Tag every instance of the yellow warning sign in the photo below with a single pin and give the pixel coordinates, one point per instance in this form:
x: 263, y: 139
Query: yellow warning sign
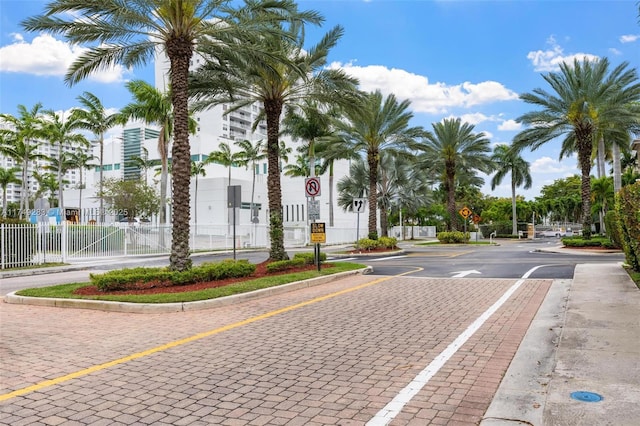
x: 318, y: 234
x: 465, y: 212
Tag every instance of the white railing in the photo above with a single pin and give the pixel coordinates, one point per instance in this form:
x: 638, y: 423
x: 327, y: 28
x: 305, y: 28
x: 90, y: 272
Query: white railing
x: 26, y: 244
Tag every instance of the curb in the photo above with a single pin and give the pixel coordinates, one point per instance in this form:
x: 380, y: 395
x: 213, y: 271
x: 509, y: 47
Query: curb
x: 148, y: 308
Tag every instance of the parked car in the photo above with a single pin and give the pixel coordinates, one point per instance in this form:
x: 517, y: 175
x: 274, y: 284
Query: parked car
x: 557, y: 233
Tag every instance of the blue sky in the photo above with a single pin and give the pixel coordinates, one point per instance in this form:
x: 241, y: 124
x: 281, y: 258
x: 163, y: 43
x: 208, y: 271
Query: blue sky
x: 468, y: 59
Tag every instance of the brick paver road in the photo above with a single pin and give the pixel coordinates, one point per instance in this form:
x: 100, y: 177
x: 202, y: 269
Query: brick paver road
x: 276, y: 361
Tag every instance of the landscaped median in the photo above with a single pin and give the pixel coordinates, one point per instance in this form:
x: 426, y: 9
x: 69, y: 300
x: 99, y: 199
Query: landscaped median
x: 248, y: 288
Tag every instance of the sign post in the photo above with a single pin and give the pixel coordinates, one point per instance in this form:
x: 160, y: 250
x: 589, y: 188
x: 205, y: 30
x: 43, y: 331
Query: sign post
x: 312, y: 190
x: 318, y: 235
x: 465, y: 212
x: 234, y: 201
x: 358, y: 207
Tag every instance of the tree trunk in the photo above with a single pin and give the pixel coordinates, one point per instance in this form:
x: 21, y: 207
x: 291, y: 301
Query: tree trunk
x: 101, y: 184
x: 180, y: 51
x: 372, y: 160
x: 273, y: 110
x: 514, y: 220
x: 617, y: 169
x: 601, y: 158
x: 63, y: 215
x: 584, y: 157
x: 163, y: 146
x: 451, y: 197
x: 331, y: 193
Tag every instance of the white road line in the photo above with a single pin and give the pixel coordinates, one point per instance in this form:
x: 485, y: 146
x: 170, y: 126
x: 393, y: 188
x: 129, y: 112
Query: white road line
x: 386, y: 258
x: 340, y: 259
x: 393, y: 408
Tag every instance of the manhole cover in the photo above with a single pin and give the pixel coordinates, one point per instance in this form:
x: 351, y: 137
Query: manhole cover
x: 586, y: 396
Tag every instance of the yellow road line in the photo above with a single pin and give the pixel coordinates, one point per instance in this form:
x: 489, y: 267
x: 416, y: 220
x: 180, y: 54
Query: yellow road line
x: 99, y: 367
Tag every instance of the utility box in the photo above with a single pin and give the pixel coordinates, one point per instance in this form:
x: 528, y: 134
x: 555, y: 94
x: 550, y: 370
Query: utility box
x: 531, y: 231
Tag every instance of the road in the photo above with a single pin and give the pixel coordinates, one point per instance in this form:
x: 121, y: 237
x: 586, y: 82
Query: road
x: 418, y: 348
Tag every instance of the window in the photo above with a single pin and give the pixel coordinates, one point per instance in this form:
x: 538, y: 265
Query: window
x: 264, y: 168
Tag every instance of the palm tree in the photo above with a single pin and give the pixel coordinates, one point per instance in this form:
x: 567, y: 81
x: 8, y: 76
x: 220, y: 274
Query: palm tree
x: 128, y: 33
x: 225, y: 158
x: 250, y: 154
x: 21, y: 144
x: 287, y: 77
x: 7, y: 176
x: 47, y: 182
x: 602, y: 196
x: 81, y: 160
x: 62, y: 133
x: 374, y: 125
x: 197, y: 169
x: 586, y: 99
x: 96, y: 119
x: 508, y: 161
x: 143, y: 163
x: 154, y: 108
x: 453, y: 152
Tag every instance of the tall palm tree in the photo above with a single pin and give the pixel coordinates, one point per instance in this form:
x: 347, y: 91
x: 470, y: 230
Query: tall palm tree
x: 508, y: 161
x: 287, y: 77
x: 62, y: 134
x: 373, y: 125
x: 250, y: 154
x: 94, y: 117
x: 7, y: 176
x: 154, y: 108
x: 144, y: 163
x: 451, y: 152
x: 197, y: 169
x: 21, y: 143
x: 587, y: 97
x: 47, y: 183
x: 128, y: 33
x: 81, y: 160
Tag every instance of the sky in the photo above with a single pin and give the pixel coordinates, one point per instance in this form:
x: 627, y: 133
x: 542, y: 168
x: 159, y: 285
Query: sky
x: 467, y: 59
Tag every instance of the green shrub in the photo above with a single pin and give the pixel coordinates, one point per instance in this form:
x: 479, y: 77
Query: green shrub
x: 612, y: 224
x: 592, y: 242
x: 309, y: 257
x: 283, y: 265
x: 367, y: 243
x: 453, y: 237
x: 131, y: 278
x: 628, y: 211
x: 373, y: 235
x: 387, y: 242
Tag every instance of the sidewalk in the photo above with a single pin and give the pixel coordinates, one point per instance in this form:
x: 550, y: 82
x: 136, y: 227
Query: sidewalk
x: 585, y: 337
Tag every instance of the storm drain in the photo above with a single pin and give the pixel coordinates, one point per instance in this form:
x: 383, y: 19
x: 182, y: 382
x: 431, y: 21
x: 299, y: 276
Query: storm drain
x: 586, y: 396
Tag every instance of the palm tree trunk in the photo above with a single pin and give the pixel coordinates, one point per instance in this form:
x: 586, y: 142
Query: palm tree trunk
x: 100, y: 186
x: 584, y: 157
x: 600, y: 158
x: 331, y: 193
x: 617, y: 169
x: 164, y: 177
x: 273, y: 110
x: 60, y: 195
x: 514, y: 217
x: 372, y: 160
x: 80, y: 215
x: 451, y: 198
x: 195, y: 208
x: 180, y: 52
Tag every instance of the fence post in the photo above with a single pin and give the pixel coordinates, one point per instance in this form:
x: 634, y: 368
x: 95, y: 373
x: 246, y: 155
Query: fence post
x: 63, y: 242
x: 2, y: 244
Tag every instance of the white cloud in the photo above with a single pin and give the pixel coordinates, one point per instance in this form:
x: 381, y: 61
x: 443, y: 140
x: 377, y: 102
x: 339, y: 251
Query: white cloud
x: 425, y: 96
x: 47, y: 56
x: 509, y: 125
x: 629, y: 38
x: 547, y: 165
x: 614, y: 51
x: 550, y: 60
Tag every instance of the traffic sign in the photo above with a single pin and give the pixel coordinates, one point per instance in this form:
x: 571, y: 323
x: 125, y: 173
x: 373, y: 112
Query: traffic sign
x: 476, y: 219
x: 313, y: 207
x: 358, y: 205
x: 318, y: 234
x: 312, y: 186
x: 465, y: 212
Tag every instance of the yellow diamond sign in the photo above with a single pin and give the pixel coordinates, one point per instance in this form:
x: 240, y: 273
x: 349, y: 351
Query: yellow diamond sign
x: 465, y: 212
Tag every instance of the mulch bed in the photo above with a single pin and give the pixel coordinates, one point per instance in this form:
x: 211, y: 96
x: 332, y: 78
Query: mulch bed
x: 160, y: 288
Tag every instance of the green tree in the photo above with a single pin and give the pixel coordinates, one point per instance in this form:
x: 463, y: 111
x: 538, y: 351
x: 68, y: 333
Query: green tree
x: 21, y: 143
x: 508, y: 161
x: 81, y: 160
x: 62, y: 133
x: 373, y: 125
x: 288, y: 75
x: 249, y: 155
x: 94, y: 117
x: 154, y: 107
x: 197, y: 169
x: 47, y: 183
x: 128, y: 33
x: 587, y: 98
x: 225, y: 157
x: 454, y: 153
x: 133, y: 198
x: 602, y: 196
x: 7, y: 176
x: 144, y: 163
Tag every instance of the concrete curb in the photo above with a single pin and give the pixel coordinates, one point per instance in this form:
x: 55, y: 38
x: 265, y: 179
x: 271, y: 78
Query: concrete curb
x: 152, y: 308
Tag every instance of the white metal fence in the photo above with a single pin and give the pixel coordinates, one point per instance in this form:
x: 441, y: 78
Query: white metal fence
x: 25, y: 245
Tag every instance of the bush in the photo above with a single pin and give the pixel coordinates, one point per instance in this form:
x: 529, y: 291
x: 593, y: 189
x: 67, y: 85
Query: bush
x: 628, y: 212
x: 612, y: 225
x: 367, y: 243
x: 283, y: 265
x: 592, y: 242
x: 310, y: 258
x: 373, y: 235
x: 453, y: 237
x: 132, y: 278
x: 387, y: 242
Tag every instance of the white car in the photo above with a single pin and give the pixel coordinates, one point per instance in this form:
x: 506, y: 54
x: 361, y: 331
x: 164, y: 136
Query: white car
x: 553, y: 233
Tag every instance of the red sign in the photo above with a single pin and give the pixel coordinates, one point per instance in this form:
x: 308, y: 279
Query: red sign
x: 312, y: 186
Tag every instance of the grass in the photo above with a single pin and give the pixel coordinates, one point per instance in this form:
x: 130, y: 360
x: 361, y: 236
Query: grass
x: 635, y: 276
x: 65, y: 291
